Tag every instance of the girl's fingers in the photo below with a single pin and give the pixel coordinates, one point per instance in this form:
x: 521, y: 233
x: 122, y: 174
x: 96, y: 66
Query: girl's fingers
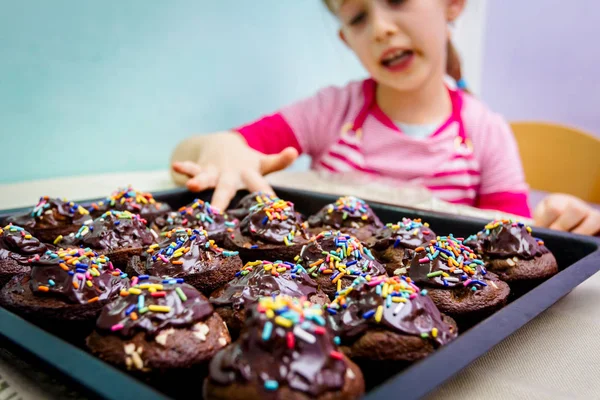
x: 225, y: 190
x: 255, y: 182
x: 277, y: 162
x: 546, y: 212
x: 204, y: 180
x: 572, y: 216
x: 590, y: 225
x: 188, y: 168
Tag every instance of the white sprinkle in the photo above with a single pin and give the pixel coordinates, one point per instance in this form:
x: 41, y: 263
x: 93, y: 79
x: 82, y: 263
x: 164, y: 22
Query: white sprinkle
x: 201, y: 330
x: 493, y: 284
x: 350, y: 373
x: 222, y: 341
x: 128, y: 362
x: 302, y: 334
x: 161, y: 338
x: 510, y: 262
x: 452, y: 279
x: 137, y: 361
x: 398, y: 308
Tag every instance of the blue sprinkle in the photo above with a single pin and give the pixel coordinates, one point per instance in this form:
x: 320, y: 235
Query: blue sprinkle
x: 179, y: 280
x: 117, y: 222
x: 332, y: 311
x: 254, y: 246
x: 81, y: 265
x: 271, y: 385
x: 143, y: 277
x: 71, y: 273
x: 369, y: 314
x: 267, y: 330
x: 294, y: 276
x: 424, y: 292
x: 51, y: 282
x: 237, y: 274
x: 397, y: 243
x: 130, y: 309
x: 337, y: 340
x: 351, y: 263
x: 193, y: 237
x: 123, y: 275
x: 264, y: 220
x: 81, y: 270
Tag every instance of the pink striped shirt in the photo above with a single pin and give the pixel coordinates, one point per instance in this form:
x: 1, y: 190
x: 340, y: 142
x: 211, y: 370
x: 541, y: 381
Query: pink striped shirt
x: 472, y: 158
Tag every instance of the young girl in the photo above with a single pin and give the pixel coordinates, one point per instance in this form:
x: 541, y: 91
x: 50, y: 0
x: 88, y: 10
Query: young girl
x: 402, y: 124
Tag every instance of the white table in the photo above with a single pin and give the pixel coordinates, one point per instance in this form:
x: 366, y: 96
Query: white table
x: 556, y: 356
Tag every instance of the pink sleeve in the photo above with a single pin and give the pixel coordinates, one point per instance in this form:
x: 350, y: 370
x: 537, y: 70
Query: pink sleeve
x: 503, y: 186
x: 309, y: 125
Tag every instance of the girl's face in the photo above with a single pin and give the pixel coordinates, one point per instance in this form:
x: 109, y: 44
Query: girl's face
x: 401, y: 43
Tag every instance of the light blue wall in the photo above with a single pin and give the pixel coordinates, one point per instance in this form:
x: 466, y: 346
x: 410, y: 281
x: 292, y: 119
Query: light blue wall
x: 105, y: 86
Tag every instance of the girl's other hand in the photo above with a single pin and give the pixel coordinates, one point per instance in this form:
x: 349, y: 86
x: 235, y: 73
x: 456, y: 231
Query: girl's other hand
x: 227, y: 164
x: 564, y: 212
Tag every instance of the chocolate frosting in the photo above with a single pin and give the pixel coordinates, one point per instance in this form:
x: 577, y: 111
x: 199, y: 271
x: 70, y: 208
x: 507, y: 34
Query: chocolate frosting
x: 407, y: 233
x: 447, y: 263
x: 265, y: 278
x: 250, y: 201
x: 52, y: 213
x: 508, y: 238
x: 19, y: 245
x: 179, y: 306
x: 275, y: 223
x: 286, y: 343
x: 113, y: 230
x: 184, y: 252
x: 198, y: 214
x: 390, y: 303
x: 333, y: 253
x: 346, y: 212
x: 129, y: 199
x: 77, y: 276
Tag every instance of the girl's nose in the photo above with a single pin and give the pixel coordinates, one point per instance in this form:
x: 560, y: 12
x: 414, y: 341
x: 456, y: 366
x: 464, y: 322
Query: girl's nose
x: 383, y: 26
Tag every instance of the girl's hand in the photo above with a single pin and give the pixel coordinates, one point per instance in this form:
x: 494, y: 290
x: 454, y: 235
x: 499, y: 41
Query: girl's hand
x: 226, y: 163
x: 564, y: 212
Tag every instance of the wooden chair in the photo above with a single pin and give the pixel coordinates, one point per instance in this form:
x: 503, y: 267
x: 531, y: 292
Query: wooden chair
x: 561, y: 159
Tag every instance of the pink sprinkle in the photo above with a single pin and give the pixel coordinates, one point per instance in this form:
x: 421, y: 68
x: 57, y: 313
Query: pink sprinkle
x: 134, y: 281
x: 163, y: 258
x: 412, y: 296
x: 336, y: 355
x: 80, y: 277
x: 117, y: 327
x: 375, y: 282
x: 110, y: 266
x: 467, y: 282
x: 424, y: 260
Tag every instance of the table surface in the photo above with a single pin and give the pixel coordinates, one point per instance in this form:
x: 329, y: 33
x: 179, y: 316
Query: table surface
x: 555, y: 356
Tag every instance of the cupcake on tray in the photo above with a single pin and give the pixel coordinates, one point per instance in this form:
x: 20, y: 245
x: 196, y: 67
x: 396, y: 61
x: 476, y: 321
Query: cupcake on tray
x: 117, y: 234
x: 394, y: 245
x: 384, y: 323
x: 17, y: 248
x: 349, y: 215
x: 272, y: 231
x: 191, y: 255
x: 258, y: 279
x: 51, y: 218
x: 65, y: 291
x: 197, y: 215
x: 286, y: 351
x: 159, y: 330
x: 457, y: 281
x: 512, y: 253
x: 129, y: 199
x: 251, y: 201
x: 335, y: 259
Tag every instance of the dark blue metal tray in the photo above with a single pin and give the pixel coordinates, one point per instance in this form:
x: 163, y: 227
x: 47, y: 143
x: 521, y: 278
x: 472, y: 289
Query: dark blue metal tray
x: 578, y: 258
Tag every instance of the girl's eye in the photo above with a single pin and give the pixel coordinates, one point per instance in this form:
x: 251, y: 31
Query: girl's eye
x: 396, y: 2
x: 359, y: 18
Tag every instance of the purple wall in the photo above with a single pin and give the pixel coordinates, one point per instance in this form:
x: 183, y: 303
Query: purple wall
x: 542, y: 61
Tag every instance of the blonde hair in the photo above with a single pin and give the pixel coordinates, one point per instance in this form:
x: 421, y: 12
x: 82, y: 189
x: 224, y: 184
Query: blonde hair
x: 453, y: 65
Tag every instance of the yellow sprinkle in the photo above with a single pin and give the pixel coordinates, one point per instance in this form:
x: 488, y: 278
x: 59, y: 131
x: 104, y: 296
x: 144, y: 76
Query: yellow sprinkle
x: 378, y: 314
x: 156, y: 286
x: 368, y: 278
x: 27, y: 236
x: 384, y: 291
x: 268, y: 267
x: 282, y: 269
x: 58, y: 239
x: 155, y: 308
x: 286, y: 323
x: 135, y: 291
x: 152, y: 290
x: 434, y: 332
x: 270, y: 314
x: 339, y: 286
x: 398, y: 300
x: 89, y: 283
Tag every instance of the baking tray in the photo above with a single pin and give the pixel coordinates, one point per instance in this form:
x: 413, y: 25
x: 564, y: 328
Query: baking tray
x: 578, y: 258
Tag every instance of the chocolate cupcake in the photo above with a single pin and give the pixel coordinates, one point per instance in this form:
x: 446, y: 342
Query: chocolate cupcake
x: 349, y: 215
x: 250, y: 202
x: 512, y: 253
x: 273, y: 231
x: 286, y: 351
x: 116, y: 234
x: 394, y: 245
x: 197, y: 215
x: 129, y: 199
x: 386, y: 323
x: 335, y: 259
x: 65, y: 291
x: 159, y: 329
x: 457, y: 281
x: 191, y: 255
x: 17, y: 249
x: 258, y: 279
x: 51, y: 218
